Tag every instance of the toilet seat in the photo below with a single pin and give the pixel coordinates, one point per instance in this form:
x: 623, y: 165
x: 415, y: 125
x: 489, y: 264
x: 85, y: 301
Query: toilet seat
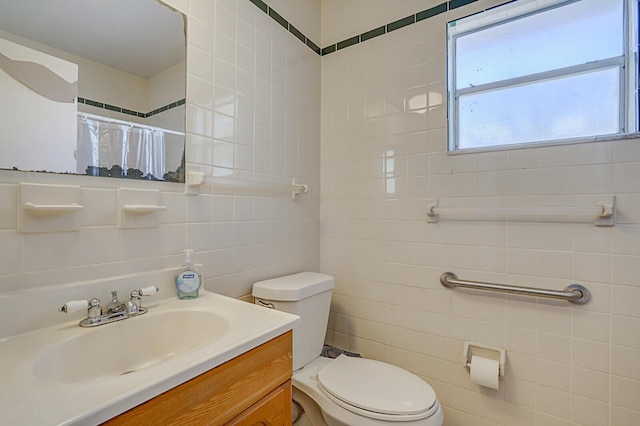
x: 376, y: 390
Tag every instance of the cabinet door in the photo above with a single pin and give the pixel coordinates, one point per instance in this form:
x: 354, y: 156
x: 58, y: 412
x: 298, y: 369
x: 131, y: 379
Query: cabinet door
x: 222, y: 394
x: 272, y: 410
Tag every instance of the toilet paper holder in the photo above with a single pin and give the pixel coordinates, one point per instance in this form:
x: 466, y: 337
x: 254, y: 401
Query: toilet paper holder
x: 491, y: 352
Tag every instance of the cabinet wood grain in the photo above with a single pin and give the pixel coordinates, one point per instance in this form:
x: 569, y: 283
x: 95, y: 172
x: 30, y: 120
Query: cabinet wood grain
x: 224, y: 393
x: 272, y: 410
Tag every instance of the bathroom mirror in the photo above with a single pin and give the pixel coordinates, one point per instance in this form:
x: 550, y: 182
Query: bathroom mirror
x: 93, y: 87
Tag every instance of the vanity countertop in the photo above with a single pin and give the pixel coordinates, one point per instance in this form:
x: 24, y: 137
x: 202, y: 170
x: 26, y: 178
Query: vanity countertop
x: 28, y: 399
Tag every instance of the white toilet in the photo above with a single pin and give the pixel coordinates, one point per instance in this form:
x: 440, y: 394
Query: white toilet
x: 345, y: 391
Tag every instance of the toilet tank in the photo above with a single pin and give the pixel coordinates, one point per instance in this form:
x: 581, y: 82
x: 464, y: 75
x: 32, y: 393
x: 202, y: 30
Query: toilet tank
x: 308, y: 295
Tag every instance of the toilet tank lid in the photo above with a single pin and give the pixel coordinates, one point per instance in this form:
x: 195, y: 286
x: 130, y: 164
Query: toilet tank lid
x: 293, y: 287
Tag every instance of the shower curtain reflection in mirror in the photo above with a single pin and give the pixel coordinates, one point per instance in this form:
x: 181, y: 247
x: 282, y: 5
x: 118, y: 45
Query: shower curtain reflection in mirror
x: 125, y: 150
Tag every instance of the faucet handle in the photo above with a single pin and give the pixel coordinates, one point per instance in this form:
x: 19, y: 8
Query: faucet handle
x: 93, y: 307
x: 73, y: 306
x: 95, y: 310
x: 134, y: 304
x: 148, y: 291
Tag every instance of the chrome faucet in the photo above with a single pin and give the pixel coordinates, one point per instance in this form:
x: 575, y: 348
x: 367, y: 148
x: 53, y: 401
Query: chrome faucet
x: 115, y: 305
x: 115, y: 311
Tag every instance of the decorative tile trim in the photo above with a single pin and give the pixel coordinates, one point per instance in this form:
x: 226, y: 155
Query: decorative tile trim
x: 384, y: 29
x: 400, y: 23
x: 313, y: 46
x: 293, y: 30
x: 348, y: 42
x: 128, y: 111
x: 279, y: 19
x: 286, y: 25
x: 328, y: 49
x: 454, y: 4
x: 261, y: 5
x: 373, y: 33
x: 441, y: 8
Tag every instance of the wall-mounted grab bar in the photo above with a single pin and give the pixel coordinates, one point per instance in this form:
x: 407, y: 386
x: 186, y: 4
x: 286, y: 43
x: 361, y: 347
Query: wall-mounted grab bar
x: 574, y: 293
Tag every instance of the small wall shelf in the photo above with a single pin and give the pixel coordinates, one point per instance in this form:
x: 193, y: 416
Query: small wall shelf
x: 143, y: 208
x: 52, y: 209
x: 49, y: 208
x: 139, y: 208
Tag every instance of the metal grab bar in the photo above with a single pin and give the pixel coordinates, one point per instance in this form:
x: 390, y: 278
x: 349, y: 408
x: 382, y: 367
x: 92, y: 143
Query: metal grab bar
x: 574, y: 293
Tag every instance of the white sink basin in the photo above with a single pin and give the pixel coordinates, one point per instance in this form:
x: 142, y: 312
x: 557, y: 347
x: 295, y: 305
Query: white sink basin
x: 128, y: 346
x: 69, y: 375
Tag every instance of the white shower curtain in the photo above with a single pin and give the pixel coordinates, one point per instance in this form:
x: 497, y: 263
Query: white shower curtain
x: 119, y: 150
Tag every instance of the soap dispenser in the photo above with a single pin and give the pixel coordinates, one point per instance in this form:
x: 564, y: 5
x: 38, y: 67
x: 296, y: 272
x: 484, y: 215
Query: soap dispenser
x: 189, y: 279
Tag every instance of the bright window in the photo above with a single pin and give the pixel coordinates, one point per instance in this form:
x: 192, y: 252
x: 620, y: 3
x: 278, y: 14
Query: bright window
x: 542, y: 71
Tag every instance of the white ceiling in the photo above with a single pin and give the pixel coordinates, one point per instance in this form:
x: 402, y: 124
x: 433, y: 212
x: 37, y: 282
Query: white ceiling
x: 142, y: 37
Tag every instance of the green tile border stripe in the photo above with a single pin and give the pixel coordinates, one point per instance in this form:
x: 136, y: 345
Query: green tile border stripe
x: 261, y: 5
x: 384, y: 29
x: 395, y: 25
x: 286, y: 25
x: 348, y: 42
x: 279, y: 19
x: 293, y: 30
x: 128, y: 111
x: 400, y: 23
x: 373, y: 33
x: 328, y: 49
x: 454, y: 4
x: 313, y: 47
x: 441, y: 8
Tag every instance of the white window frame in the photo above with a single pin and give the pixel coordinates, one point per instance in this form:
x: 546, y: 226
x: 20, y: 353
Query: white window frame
x: 627, y: 65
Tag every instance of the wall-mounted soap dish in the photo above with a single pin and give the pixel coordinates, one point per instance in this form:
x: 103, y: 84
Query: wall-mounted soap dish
x: 139, y: 208
x: 49, y: 208
x: 143, y: 208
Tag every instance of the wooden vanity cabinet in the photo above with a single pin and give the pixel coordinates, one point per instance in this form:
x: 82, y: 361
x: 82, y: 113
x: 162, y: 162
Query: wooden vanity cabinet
x: 251, y: 389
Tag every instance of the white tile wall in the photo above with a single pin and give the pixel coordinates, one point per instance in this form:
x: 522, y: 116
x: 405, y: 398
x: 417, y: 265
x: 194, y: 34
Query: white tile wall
x: 566, y: 365
x: 234, y: 124
x: 254, y: 103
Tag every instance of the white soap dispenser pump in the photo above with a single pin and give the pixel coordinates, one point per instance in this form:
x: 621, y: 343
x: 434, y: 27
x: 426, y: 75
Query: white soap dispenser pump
x: 189, y: 279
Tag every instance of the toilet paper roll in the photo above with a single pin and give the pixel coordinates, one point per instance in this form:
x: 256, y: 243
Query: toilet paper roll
x: 485, y: 372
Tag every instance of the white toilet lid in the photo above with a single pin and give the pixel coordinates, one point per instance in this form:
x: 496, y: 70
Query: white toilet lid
x: 376, y: 386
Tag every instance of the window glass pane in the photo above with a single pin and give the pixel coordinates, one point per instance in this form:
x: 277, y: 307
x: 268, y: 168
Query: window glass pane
x: 576, y: 33
x: 573, y: 106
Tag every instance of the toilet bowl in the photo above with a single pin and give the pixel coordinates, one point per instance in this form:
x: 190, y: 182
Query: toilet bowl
x: 345, y: 391
x: 355, y: 391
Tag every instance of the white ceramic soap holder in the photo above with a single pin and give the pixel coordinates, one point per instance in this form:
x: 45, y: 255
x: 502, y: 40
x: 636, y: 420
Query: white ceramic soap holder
x: 49, y: 208
x: 138, y: 208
